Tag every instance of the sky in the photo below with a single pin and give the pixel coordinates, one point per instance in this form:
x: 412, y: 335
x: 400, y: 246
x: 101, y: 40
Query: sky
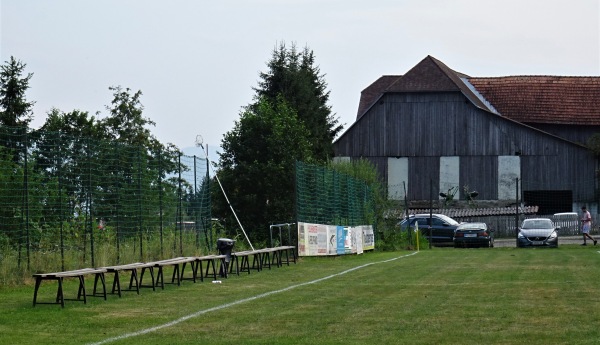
x: 196, y: 62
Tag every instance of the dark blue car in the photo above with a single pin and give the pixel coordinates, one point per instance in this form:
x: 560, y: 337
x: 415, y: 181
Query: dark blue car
x: 473, y: 235
x: 442, y: 226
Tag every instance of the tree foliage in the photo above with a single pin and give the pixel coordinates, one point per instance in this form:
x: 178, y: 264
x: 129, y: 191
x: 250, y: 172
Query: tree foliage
x: 15, y: 110
x: 257, y: 165
x: 293, y: 75
x: 289, y: 120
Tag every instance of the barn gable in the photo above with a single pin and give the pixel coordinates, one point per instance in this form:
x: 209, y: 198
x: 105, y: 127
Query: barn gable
x: 433, y: 125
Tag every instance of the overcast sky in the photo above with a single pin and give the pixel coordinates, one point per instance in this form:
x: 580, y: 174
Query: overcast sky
x: 196, y: 62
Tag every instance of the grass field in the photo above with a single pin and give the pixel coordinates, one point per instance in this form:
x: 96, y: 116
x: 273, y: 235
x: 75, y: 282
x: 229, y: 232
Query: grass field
x: 439, y: 296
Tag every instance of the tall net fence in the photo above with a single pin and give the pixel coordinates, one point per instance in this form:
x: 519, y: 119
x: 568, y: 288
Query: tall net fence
x: 71, y: 201
x: 325, y: 196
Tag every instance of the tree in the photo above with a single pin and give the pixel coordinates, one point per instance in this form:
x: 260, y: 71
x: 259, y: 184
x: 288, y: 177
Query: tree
x: 257, y: 165
x: 294, y: 76
x: 15, y: 110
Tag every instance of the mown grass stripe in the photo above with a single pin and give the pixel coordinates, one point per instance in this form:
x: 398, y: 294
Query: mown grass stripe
x: 227, y: 305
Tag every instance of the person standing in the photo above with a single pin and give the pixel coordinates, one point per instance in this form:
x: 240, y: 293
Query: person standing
x: 586, y: 226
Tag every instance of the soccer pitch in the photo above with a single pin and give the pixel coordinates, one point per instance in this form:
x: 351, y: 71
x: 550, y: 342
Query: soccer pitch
x: 439, y: 296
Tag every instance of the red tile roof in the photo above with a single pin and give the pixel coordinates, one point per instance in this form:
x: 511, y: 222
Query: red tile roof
x: 526, y: 99
x: 429, y: 75
x: 371, y: 93
x: 543, y: 99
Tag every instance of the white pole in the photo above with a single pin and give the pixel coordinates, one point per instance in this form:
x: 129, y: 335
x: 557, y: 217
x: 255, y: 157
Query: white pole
x: 223, y: 190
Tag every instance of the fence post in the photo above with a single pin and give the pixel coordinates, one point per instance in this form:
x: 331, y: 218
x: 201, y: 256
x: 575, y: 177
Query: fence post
x: 160, y: 200
x: 195, y: 207
x: 61, y: 211
x: 90, y: 200
x: 140, y: 203
x: 180, y: 215
x: 26, y: 181
x: 517, y: 212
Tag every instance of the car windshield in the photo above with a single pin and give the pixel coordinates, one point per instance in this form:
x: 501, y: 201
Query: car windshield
x: 537, y: 224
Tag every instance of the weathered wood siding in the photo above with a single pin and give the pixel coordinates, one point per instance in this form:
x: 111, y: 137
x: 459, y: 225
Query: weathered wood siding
x: 426, y: 126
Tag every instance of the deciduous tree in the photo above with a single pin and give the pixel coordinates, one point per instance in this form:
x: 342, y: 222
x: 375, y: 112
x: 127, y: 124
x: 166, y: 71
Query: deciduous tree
x: 257, y: 165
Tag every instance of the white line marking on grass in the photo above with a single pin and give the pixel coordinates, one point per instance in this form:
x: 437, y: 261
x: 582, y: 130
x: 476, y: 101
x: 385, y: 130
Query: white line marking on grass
x: 223, y: 306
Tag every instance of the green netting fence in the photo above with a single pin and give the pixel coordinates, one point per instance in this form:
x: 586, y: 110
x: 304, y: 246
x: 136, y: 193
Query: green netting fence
x: 325, y: 196
x: 69, y: 202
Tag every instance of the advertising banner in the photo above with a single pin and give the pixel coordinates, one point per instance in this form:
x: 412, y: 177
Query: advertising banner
x: 319, y: 239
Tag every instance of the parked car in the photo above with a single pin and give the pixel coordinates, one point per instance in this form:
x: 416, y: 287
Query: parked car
x: 538, y: 232
x: 568, y: 221
x: 442, y: 227
x: 473, y: 235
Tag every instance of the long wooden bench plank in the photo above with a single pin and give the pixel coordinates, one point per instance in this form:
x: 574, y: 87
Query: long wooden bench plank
x: 175, y: 262
x: 214, y: 262
x: 132, y: 268
x: 59, y: 277
x: 244, y: 266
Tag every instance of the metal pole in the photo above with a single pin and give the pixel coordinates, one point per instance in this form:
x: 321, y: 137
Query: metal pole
x: 60, y: 202
x: 140, y: 203
x: 517, y: 212
x: 229, y: 203
x: 160, y: 201
x: 196, y: 208
x: 430, y: 209
x: 180, y: 210
x: 90, y: 219
x: 26, y: 176
x: 118, y: 204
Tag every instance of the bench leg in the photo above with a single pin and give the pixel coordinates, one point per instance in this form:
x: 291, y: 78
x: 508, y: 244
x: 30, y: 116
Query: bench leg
x: 176, y: 274
x: 100, y: 276
x: 199, y: 269
x: 160, y: 277
x: 38, y: 281
x: 194, y: 270
x: 151, y: 269
x: 245, y: 263
x: 60, y: 298
x: 102, y: 280
x: 116, y: 284
x: 81, y: 289
x: 134, y: 278
x: 212, y: 263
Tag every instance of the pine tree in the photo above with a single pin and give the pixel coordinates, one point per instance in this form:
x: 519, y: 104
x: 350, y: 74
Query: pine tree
x: 294, y: 76
x: 15, y: 110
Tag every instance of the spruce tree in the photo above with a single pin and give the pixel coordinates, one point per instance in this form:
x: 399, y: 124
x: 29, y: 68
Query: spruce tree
x: 294, y: 76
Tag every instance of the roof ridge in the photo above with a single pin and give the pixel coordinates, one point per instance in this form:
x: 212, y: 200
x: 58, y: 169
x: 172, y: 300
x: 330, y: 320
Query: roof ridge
x: 537, y: 76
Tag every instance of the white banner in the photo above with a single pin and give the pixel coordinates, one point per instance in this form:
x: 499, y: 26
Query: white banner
x: 319, y: 239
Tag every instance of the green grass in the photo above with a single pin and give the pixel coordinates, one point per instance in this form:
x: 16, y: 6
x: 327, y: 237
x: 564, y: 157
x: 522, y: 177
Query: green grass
x: 439, y: 296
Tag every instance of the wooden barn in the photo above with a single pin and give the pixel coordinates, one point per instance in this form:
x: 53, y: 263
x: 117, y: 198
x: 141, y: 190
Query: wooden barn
x: 437, y: 127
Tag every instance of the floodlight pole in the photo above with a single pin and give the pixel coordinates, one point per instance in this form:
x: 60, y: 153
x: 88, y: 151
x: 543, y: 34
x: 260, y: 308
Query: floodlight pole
x: 199, y: 143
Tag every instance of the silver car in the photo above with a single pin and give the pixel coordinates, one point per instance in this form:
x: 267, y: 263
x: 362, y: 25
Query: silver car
x: 538, y: 232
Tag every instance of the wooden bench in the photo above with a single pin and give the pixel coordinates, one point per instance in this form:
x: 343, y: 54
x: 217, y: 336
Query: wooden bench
x: 59, y: 277
x: 269, y: 257
x: 177, y: 272
x: 287, y: 250
x: 134, y: 284
x: 244, y: 266
x: 214, y: 262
